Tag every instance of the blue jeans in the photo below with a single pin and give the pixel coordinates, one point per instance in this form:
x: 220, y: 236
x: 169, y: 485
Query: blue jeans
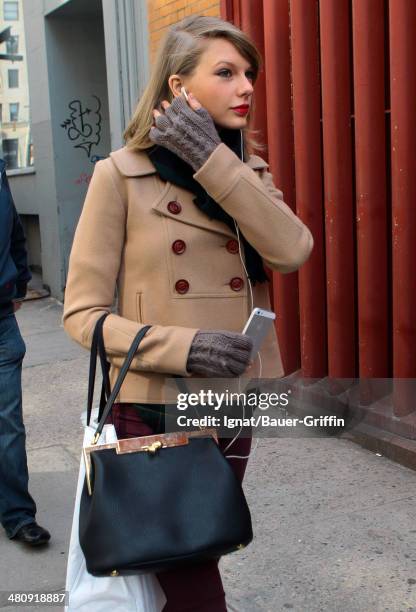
x: 17, y: 507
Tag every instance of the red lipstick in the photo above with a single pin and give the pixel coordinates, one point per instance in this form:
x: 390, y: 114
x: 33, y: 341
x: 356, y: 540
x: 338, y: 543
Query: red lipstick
x: 241, y: 110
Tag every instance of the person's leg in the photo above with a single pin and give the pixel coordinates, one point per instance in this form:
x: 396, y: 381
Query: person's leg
x: 17, y: 508
x: 199, y: 588
x: 195, y: 588
x: 241, y: 447
x: 128, y: 422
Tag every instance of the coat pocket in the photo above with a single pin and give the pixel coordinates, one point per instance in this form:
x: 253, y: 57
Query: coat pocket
x: 139, y: 307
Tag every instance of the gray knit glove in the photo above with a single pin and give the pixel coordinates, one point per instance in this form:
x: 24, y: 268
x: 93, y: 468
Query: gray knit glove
x: 219, y: 354
x: 190, y: 134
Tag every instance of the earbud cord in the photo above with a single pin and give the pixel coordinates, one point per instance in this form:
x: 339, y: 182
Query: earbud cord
x: 259, y: 356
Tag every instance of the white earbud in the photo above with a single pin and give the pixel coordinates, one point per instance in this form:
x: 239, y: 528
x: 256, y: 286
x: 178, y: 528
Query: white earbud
x: 183, y: 90
x: 241, y: 142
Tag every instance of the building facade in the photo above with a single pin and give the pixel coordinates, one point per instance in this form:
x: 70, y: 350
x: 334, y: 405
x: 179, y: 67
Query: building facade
x: 66, y: 103
x: 15, y: 137
x: 83, y: 67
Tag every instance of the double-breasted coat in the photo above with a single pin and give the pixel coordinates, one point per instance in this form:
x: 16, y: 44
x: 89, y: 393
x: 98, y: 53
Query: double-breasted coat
x: 171, y: 265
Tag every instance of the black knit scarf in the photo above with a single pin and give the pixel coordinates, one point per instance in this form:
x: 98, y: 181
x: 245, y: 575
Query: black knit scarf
x: 172, y: 168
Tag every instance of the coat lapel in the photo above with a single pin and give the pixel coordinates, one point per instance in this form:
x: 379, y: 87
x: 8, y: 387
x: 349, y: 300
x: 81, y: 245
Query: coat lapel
x: 189, y: 213
x: 137, y: 164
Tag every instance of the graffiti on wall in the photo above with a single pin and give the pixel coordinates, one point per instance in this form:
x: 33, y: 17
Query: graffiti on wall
x: 84, y: 178
x: 83, y: 125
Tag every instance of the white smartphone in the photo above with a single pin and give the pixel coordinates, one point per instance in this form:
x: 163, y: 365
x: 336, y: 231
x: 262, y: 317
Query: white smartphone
x: 183, y: 90
x: 257, y: 327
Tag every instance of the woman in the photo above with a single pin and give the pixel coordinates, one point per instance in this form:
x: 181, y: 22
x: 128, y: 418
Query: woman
x: 180, y: 221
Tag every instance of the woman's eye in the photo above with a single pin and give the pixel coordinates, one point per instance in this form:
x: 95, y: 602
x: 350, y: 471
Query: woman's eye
x: 223, y: 72
x: 227, y: 71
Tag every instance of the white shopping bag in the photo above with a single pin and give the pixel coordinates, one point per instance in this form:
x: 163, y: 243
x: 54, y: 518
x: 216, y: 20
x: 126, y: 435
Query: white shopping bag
x: 140, y: 593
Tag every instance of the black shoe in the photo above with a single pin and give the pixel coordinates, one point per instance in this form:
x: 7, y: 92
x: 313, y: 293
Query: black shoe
x: 32, y: 534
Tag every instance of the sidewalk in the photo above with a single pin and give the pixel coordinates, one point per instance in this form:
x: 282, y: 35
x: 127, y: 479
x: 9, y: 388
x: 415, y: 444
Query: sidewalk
x: 334, y: 524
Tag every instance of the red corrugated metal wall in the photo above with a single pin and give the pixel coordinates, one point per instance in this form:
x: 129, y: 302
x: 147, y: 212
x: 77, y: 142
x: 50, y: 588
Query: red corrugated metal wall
x: 336, y: 106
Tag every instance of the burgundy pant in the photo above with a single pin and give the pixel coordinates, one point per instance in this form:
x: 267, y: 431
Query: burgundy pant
x: 196, y: 588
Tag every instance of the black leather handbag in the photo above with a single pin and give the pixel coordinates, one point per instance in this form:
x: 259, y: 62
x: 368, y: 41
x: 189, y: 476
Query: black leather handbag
x: 155, y: 502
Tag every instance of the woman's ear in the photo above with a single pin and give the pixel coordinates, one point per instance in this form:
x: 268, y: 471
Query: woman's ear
x: 175, y: 84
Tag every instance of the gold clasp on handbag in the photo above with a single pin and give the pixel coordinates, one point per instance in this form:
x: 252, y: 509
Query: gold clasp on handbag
x: 133, y: 445
x: 152, y: 448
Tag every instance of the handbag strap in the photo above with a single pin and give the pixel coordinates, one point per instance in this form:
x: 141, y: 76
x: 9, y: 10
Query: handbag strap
x: 105, y: 368
x: 120, y: 379
x: 97, y: 345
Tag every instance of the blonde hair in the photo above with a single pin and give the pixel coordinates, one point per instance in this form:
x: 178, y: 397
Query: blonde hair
x: 179, y: 53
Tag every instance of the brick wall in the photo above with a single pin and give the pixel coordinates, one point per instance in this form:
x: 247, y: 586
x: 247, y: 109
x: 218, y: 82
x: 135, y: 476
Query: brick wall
x: 163, y: 13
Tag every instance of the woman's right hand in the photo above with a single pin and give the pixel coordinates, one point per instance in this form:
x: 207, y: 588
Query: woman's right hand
x: 219, y: 354
x: 187, y: 129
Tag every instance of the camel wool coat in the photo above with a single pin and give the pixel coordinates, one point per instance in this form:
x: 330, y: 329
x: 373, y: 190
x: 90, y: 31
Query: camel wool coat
x: 172, y: 266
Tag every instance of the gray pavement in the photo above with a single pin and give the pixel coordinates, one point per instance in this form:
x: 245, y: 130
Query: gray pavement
x: 334, y: 524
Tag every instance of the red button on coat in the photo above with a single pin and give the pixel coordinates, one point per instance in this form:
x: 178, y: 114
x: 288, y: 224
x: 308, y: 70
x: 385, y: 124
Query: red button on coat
x: 174, y: 207
x: 236, y: 283
x: 178, y: 247
x: 232, y: 246
x: 182, y: 286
